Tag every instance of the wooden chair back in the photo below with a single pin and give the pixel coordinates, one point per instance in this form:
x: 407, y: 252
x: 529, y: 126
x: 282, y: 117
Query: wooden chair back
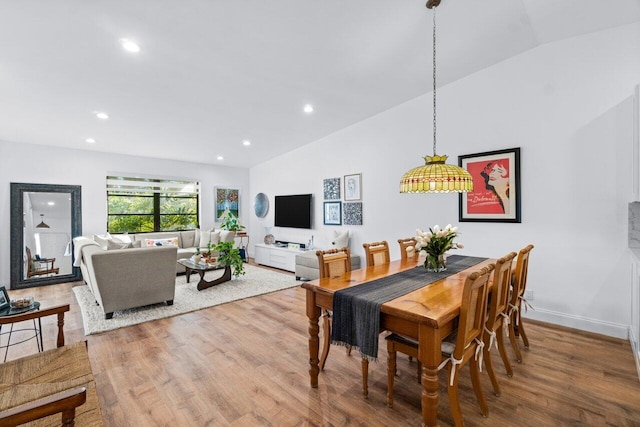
x: 377, y: 253
x: 404, y: 244
x: 520, y: 281
x: 30, y: 271
x: 473, y: 310
x: 500, y: 290
x: 334, y: 262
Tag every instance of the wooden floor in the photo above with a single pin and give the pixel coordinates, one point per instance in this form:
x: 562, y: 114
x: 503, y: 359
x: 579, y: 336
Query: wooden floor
x: 245, y: 363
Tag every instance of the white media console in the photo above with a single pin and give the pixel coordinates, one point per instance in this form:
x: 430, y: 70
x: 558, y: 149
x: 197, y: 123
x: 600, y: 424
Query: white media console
x: 283, y: 258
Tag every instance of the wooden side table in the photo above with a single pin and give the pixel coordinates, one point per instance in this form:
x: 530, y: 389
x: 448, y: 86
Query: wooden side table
x: 6, y: 313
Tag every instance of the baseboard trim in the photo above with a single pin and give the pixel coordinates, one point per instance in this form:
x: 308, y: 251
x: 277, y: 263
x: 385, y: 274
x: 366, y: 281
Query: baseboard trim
x: 579, y: 322
x: 635, y: 347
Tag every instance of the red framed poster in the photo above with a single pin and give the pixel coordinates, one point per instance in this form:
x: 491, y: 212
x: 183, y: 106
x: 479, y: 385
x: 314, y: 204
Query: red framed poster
x: 496, y: 187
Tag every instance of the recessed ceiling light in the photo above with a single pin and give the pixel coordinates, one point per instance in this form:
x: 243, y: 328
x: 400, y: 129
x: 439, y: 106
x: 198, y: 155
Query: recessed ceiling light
x: 101, y: 115
x: 90, y: 140
x: 130, y: 46
x: 246, y: 143
x: 51, y: 203
x: 308, y: 109
x: 220, y: 158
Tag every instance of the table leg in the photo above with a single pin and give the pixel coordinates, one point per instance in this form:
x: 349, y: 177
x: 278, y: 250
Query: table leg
x: 203, y: 284
x: 187, y: 272
x: 430, y: 356
x: 40, y: 333
x: 313, y: 313
x: 6, y: 350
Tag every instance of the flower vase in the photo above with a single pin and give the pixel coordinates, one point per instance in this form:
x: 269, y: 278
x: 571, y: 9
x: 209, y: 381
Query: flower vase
x: 436, y: 262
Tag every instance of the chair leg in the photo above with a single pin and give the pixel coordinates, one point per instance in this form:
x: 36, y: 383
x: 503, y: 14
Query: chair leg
x: 488, y: 363
x: 327, y: 339
x: 503, y: 350
x: 454, y: 401
x: 474, y: 365
x: 391, y: 372
x: 419, y: 371
x: 525, y: 340
x: 514, y: 341
x: 365, y: 376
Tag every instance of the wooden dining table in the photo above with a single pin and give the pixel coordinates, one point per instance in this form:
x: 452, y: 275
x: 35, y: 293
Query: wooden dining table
x: 428, y: 315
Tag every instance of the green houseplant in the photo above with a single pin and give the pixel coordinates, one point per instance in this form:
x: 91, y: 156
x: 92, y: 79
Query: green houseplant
x: 230, y: 256
x: 230, y: 222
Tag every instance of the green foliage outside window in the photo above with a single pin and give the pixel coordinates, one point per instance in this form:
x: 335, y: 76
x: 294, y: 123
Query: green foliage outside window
x: 145, y: 211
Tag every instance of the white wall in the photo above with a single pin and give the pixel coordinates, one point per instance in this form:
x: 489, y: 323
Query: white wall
x: 51, y: 165
x: 568, y: 105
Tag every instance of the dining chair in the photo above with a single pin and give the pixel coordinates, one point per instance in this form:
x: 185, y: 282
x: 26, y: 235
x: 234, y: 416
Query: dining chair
x: 404, y: 244
x: 331, y: 262
x: 40, y: 267
x: 516, y: 328
x: 498, y: 318
x: 376, y: 253
x: 461, y: 347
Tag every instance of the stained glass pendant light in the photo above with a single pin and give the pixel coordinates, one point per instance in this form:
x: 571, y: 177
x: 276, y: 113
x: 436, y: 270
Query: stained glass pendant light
x: 436, y: 176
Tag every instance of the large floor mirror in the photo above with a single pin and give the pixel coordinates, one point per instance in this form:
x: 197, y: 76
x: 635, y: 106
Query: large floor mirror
x: 44, y: 220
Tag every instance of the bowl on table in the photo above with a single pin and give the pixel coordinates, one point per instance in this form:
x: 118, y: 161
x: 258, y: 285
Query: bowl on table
x: 21, y: 302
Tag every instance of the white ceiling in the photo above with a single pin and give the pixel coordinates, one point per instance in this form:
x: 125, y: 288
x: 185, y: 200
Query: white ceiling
x: 212, y: 73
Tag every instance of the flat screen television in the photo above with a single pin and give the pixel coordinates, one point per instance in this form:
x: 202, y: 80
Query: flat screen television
x: 293, y: 211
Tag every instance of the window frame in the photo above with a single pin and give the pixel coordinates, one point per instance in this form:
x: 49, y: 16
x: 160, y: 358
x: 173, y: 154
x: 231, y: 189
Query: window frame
x: 157, y: 189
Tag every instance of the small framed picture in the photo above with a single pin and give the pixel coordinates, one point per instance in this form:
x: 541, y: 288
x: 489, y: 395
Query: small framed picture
x: 496, y: 187
x: 332, y: 213
x: 353, y: 187
x: 331, y: 188
x: 4, y: 298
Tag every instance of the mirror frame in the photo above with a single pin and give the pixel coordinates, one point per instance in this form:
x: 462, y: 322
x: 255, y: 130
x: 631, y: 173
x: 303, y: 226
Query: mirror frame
x: 17, y: 229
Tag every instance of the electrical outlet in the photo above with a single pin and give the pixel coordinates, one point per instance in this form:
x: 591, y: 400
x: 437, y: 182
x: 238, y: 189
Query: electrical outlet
x: 528, y: 295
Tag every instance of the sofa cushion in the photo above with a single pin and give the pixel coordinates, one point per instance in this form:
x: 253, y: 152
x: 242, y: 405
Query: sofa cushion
x: 102, y: 239
x: 205, y: 238
x: 307, y: 259
x: 226, y: 235
x: 113, y: 244
x: 121, y: 238
x: 158, y: 235
x: 215, y: 237
x: 340, y: 239
x: 188, y: 238
x: 173, y: 241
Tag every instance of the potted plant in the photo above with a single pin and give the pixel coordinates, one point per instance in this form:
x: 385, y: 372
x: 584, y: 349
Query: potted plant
x: 230, y: 222
x: 230, y: 256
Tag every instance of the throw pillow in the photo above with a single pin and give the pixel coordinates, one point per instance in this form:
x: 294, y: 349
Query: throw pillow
x: 121, y: 238
x: 161, y: 242
x: 215, y: 237
x: 340, y: 239
x: 112, y: 244
x: 205, y: 238
x: 136, y: 244
x: 226, y: 235
x: 102, y: 239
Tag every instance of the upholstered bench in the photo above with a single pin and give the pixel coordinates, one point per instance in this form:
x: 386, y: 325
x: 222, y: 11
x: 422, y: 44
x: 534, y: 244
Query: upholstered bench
x: 307, y: 265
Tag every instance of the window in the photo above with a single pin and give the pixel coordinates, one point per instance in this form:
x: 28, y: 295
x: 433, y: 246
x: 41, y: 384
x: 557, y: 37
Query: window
x: 138, y: 205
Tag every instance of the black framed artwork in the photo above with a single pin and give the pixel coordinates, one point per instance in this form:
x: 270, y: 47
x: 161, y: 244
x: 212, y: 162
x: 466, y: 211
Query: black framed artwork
x: 496, y: 187
x: 332, y: 213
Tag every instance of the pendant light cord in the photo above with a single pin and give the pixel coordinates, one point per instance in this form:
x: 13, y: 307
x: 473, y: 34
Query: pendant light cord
x: 434, y: 80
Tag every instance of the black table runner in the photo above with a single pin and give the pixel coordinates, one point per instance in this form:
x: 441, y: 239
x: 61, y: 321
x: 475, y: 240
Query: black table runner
x: 356, y: 310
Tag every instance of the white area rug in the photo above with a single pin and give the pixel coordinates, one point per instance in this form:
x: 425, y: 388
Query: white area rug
x: 256, y: 281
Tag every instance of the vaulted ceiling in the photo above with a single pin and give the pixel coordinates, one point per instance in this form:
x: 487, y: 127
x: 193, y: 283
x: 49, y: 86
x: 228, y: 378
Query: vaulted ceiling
x: 211, y: 74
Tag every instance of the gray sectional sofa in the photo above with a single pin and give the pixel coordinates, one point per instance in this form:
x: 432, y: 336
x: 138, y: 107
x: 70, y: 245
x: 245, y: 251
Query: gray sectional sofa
x: 136, y: 270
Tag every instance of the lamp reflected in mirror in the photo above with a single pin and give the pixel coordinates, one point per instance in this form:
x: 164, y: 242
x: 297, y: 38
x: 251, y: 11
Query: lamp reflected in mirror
x: 42, y: 224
